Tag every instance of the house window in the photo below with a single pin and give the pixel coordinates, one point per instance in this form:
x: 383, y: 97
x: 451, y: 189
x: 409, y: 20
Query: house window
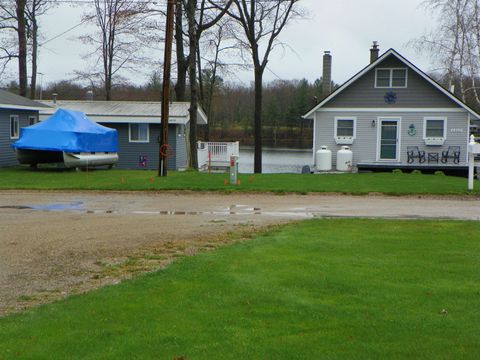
x: 32, y: 120
x: 391, y: 78
x: 14, y: 127
x: 345, y: 130
x: 139, y: 133
x: 434, y: 130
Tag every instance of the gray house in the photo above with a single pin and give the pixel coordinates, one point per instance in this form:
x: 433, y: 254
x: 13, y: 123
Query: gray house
x: 15, y: 112
x: 392, y: 115
x: 138, y: 126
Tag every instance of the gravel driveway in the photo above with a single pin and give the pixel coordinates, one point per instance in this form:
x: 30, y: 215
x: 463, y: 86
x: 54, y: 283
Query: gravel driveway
x: 53, y: 244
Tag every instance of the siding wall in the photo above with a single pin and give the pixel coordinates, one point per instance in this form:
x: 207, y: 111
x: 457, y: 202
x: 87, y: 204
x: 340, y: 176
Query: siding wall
x: 129, y: 153
x: 7, y: 154
x: 419, y: 93
x: 181, y: 146
x: 364, y: 147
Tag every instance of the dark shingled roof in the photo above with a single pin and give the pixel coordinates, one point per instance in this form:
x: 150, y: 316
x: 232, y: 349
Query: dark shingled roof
x: 9, y: 100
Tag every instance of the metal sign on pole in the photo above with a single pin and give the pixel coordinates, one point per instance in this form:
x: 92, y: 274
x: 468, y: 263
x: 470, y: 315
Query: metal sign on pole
x: 167, y: 64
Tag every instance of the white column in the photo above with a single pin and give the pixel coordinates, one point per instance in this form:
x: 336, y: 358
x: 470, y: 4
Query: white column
x: 471, y: 163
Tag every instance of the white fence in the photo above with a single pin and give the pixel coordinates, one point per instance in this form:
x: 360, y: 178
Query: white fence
x: 216, y: 154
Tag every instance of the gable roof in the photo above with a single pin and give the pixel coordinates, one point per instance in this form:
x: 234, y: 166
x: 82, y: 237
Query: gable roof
x: 126, y: 111
x: 407, y: 63
x: 9, y: 100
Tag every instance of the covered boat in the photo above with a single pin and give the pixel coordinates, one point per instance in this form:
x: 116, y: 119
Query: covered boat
x: 67, y: 137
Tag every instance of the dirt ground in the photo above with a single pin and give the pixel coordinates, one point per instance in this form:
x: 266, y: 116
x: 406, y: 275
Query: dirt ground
x: 53, y: 244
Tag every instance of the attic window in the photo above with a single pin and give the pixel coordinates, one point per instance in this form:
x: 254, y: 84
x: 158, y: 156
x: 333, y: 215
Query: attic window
x: 390, y: 78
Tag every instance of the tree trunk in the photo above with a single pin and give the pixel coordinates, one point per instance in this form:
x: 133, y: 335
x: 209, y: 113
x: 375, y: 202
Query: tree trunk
x: 108, y: 90
x: 182, y: 62
x: 33, y: 83
x: 22, y: 47
x: 257, y: 162
x: 192, y: 71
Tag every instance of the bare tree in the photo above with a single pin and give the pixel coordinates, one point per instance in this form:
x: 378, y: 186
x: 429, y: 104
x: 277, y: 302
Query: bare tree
x: 13, y: 23
x: 216, y: 45
x: 34, y: 9
x: 455, y: 44
x: 262, y: 22
x: 116, y: 44
x: 20, y: 30
x: 182, y: 59
x: 201, y: 16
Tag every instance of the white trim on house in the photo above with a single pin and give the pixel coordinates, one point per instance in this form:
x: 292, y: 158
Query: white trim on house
x: 15, y: 126
x: 395, y: 110
x: 434, y: 140
x: 409, y: 65
x: 22, y: 107
x: 134, y: 119
x: 138, y: 141
x: 391, y: 78
x: 345, y: 140
x: 398, y: 119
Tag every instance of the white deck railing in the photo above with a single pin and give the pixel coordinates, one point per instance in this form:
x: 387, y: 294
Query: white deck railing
x: 216, y: 154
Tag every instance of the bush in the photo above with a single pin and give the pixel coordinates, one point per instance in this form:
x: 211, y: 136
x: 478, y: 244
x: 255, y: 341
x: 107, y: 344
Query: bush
x: 439, y: 173
x: 416, y: 172
x: 397, y: 171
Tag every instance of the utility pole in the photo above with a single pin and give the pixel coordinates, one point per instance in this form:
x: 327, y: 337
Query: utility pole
x: 164, y: 150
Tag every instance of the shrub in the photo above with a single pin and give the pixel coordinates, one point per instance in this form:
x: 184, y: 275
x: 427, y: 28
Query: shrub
x: 416, y: 172
x: 439, y: 173
x: 397, y: 171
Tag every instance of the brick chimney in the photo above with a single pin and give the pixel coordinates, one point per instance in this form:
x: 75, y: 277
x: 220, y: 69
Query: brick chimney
x: 374, y: 52
x: 327, y: 74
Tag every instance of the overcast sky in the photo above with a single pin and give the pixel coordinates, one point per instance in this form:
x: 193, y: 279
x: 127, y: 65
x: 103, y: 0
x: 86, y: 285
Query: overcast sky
x: 345, y: 27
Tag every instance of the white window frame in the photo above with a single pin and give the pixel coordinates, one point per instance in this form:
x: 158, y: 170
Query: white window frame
x: 391, y: 79
x: 34, y: 118
x: 138, y: 141
x: 345, y: 140
x: 14, y: 119
x: 434, y: 141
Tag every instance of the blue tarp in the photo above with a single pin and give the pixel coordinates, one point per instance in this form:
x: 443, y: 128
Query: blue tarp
x: 68, y: 131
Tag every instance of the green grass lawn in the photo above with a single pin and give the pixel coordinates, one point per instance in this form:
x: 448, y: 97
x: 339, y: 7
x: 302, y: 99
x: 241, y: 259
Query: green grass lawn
x: 388, y: 183
x: 321, y: 289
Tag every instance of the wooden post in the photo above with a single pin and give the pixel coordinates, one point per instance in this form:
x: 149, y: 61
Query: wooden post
x: 167, y: 64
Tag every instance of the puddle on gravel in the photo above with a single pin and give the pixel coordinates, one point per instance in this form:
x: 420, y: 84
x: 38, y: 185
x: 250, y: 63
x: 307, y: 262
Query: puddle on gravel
x: 73, y: 206
x: 17, y: 207
x: 78, y: 206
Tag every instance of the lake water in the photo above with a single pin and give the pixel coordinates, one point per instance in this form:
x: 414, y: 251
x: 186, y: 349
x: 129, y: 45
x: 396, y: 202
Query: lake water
x: 276, y: 160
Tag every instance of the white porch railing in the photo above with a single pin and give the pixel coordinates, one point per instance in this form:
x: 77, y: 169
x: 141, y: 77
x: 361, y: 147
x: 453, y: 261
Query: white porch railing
x: 216, y: 154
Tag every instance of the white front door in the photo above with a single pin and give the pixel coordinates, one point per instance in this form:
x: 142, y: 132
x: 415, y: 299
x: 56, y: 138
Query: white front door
x: 388, y: 144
